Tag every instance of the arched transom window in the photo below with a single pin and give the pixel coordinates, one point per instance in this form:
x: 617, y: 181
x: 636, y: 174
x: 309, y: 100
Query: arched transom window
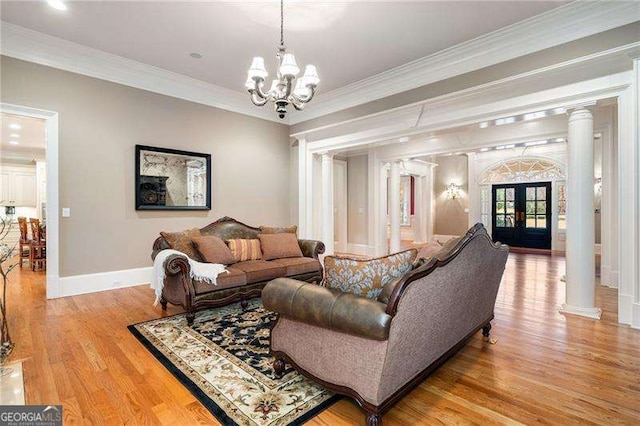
x: 522, y: 170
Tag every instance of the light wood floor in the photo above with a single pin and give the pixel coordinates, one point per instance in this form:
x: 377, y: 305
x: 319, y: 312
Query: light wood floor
x: 545, y: 368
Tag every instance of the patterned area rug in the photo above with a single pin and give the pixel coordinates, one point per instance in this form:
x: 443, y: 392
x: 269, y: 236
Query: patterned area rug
x: 224, y: 361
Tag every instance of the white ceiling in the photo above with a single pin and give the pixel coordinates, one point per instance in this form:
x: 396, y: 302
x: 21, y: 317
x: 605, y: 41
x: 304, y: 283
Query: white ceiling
x: 31, y: 136
x: 348, y: 41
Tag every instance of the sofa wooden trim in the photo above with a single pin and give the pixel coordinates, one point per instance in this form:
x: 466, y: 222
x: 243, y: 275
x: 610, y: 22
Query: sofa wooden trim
x: 437, y: 262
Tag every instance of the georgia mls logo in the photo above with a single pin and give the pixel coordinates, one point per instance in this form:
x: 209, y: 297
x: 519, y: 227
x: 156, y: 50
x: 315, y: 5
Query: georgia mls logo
x: 32, y: 415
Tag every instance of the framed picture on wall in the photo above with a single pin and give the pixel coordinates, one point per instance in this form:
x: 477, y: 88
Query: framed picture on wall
x: 170, y: 179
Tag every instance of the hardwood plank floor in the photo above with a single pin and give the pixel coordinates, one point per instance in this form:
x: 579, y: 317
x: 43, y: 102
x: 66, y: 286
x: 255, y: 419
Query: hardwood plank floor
x: 545, y: 368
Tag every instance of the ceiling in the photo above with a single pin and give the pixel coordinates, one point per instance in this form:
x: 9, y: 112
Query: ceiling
x: 347, y: 41
x: 31, y: 137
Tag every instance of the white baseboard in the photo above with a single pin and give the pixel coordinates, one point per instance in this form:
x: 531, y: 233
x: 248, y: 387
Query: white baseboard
x: 361, y: 249
x: 53, y: 286
x: 625, y: 307
x: 635, y: 316
x: 91, y: 283
x: 614, y: 280
x: 593, y: 313
x: 608, y: 277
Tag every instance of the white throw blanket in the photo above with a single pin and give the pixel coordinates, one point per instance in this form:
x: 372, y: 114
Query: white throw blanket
x: 207, y: 272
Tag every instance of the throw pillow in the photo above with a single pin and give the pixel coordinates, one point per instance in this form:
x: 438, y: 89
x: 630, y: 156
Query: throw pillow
x: 181, y: 241
x: 278, y: 246
x: 245, y: 249
x: 366, y: 277
x: 213, y: 250
x: 274, y: 230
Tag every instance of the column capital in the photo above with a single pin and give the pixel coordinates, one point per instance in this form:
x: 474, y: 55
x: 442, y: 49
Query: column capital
x: 580, y: 113
x: 326, y: 155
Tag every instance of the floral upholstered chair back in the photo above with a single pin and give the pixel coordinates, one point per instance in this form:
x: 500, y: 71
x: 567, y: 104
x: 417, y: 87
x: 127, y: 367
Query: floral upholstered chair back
x: 366, y: 278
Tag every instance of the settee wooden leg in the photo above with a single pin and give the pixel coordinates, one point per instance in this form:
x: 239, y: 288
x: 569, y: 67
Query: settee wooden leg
x: 278, y: 367
x: 485, y: 332
x: 191, y: 316
x: 244, y: 303
x: 163, y: 303
x: 374, y: 419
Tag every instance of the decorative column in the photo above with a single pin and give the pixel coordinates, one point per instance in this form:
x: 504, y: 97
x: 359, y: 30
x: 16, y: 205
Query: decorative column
x: 381, y: 247
x: 327, y: 202
x: 419, y: 224
x: 474, y: 193
x: 580, y: 249
x: 394, y: 207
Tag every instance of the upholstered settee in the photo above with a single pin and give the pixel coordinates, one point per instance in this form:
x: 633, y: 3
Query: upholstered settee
x: 244, y: 280
x: 376, y: 352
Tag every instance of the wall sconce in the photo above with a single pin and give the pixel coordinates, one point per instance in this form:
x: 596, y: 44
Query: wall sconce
x: 453, y: 191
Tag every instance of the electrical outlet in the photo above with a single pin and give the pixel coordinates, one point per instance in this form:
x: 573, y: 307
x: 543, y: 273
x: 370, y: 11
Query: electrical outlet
x: 66, y: 212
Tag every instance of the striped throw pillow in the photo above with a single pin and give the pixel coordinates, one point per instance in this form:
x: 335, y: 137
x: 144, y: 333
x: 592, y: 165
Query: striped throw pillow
x: 245, y: 249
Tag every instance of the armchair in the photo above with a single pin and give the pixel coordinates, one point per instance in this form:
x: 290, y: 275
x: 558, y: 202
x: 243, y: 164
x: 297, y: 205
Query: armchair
x: 376, y: 352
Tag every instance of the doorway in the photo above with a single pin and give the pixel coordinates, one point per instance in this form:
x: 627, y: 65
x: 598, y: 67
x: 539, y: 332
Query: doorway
x: 521, y: 214
x: 50, y: 206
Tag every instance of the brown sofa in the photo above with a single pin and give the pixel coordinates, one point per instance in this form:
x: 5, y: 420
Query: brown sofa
x: 377, y: 352
x: 244, y: 280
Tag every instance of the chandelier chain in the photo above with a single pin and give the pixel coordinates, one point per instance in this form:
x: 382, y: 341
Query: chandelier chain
x: 281, y: 22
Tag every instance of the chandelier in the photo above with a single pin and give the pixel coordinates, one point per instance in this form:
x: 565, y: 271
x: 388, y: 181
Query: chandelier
x: 282, y: 91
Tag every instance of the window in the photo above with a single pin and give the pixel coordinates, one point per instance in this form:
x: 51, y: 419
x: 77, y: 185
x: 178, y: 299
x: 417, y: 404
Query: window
x: 536, y: 207
x: 562, y: 205
x: 485, y: 206
x: 505, y: 207
x: 522, y: 170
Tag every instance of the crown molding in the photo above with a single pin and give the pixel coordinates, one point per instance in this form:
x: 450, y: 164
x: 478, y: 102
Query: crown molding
x: 561, y: 25
x: 611, y: 62
x: 33, y: 46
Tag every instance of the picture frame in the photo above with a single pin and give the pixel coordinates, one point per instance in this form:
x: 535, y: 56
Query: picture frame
x: 171, y: 179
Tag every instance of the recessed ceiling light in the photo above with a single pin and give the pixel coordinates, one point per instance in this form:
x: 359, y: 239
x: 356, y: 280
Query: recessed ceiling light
x: 559, y: 140
x: 483, y: 125
x: 15, y: 135
x: 15, y: 126
x: 484, y: 149
x: 14, y: 142
x: 534, y: 115
x: 535, y: 143
x: 509, y: 146
x: 57, y: 4
x: 560, y: 110
x: 403, y: 139
x: 195, y: 55
x: 501, y: 147
x: 508, y: 120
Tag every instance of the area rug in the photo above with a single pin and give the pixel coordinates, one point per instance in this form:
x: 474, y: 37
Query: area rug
x: 223, y: 359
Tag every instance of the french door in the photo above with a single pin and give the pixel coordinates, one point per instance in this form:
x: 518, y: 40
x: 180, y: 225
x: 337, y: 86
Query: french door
x: 521, y: 214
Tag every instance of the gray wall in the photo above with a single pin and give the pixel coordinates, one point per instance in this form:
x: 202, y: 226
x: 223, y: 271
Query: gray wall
x: 357, y: 189
x: 450, y: 217
x: 100, y: 122
x: 606, y: 40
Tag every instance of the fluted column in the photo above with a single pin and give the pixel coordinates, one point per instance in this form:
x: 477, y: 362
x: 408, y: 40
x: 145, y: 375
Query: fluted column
x: 580, y: 246
x: 327, y: 203
x: 419, y: 225
x: 394, y: 207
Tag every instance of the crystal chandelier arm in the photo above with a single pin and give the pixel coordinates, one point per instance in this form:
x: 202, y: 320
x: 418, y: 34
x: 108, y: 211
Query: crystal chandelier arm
x: 257, y: 90
x: 304, y: 99
x: 257, y: 99
x: 297, y: 104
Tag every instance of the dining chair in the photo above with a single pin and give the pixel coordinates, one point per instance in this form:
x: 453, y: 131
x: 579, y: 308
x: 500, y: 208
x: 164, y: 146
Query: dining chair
x: 24, y: 242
